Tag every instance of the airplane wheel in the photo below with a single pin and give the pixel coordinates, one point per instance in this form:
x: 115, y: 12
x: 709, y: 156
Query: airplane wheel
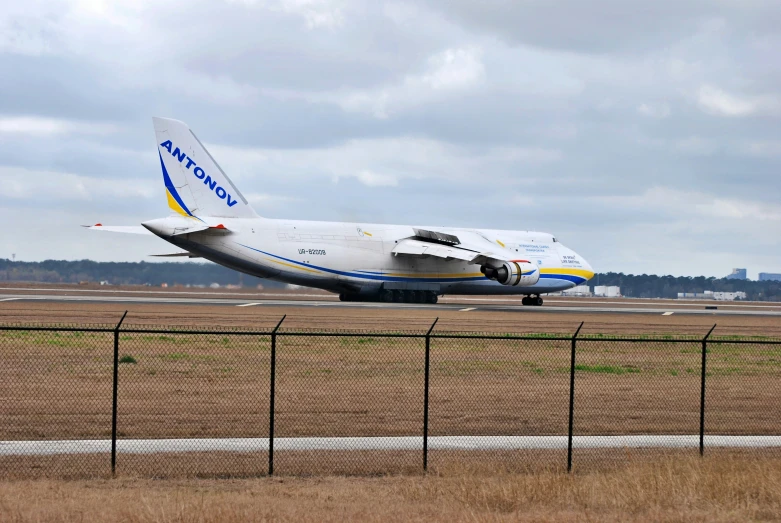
x: 525, y: 301
x: 422, y: 297
x: 398, y: 296
x: 538, y: 301
x: 342, y: 296
x: 432, y: 298
x: 387, y: 296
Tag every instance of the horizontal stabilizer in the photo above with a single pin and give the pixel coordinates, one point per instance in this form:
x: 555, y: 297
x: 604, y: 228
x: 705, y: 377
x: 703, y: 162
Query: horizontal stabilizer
x: 188, y: 230
x: 128, y: 229
x: 176, y: 255
x: 177, y: 226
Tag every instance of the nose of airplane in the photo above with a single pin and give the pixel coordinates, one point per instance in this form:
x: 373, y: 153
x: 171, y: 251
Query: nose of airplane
x: 586, y: 267
x: 572, y: 259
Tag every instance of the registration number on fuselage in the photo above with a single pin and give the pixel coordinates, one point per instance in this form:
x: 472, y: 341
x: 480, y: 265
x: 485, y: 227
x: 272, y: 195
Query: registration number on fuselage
x: 312, y: 252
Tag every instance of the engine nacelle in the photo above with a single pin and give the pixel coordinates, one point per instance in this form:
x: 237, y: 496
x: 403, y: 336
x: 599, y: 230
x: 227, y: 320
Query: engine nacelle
x: 513, y: 273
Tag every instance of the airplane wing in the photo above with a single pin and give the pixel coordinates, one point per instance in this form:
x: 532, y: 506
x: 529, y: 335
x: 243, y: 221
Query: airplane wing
x: 412, y: 247
x: 130, y: 229
x: 471, y: 254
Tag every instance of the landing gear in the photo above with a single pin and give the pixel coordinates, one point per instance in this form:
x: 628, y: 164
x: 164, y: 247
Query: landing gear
x: 395, y: 296
x: 420, y: 297
x: 532, y: 300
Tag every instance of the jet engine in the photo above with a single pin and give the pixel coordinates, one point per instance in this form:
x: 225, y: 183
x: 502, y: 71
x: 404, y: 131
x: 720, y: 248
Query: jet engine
x: 512, y: 273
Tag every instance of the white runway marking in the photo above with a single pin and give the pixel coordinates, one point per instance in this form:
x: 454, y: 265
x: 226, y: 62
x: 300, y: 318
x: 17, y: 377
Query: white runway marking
x: 248, y: 304
x: 10, y: 299
x: 190, y: 292
x: 157, y: 446
x: 337, y: 304
x: 468, y: 309
x: 668, y: 313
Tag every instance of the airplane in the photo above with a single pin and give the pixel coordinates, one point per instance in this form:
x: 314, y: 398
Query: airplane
x: 211, y: 219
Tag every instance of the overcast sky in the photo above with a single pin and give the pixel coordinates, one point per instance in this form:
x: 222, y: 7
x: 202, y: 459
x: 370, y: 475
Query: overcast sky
x: 645, y: 135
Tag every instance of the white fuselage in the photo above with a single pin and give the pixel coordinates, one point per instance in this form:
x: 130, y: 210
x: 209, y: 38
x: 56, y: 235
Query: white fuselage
x: 357, y: 257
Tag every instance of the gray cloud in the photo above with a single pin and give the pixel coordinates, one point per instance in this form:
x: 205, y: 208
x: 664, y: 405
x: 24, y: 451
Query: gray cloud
x: 646, y: 136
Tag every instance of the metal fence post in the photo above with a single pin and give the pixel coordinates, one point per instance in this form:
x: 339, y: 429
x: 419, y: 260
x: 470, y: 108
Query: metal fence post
x: 425, y: 394
x: 572, y: 397
x: 114, y: 398
x: 271, y: 397
x: 702, y: 390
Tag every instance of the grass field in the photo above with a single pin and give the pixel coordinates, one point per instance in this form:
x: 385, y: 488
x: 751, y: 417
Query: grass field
x: 544, y: 319
x: 721, y: 488
x: 57, y: 385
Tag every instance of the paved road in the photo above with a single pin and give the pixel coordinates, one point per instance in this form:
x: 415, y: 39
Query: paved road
x: 466, y: 304
x: 155, y: 446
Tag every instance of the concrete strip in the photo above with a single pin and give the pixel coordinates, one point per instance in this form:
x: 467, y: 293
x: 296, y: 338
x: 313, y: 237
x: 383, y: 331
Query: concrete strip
x: 247, y: 304
x: 374, y: 305
x: 157, y: 446
x: 448, y: 299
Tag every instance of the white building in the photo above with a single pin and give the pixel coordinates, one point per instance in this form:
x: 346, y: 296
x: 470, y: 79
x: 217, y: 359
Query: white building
x: 607, y: 291
x: 580, y: 290
x: 710, y: 295
x: 729, y: 296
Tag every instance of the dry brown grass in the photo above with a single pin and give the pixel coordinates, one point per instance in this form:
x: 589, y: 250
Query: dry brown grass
x: 58, y: 386
x: 720, y: 488
x: 543, y: 319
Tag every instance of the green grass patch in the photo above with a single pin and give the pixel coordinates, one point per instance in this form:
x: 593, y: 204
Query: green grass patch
x: 127, y: 358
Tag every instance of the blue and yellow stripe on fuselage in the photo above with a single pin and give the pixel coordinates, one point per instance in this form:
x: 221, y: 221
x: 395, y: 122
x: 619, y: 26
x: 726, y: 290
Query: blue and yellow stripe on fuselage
x: 575, y: 276
x: 570, y: 274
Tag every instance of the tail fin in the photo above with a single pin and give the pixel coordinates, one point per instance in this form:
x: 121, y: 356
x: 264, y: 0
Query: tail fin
x: 195, y: 184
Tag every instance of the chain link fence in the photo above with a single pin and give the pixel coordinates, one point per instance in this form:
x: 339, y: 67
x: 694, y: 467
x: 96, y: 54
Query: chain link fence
x: 92, y: 401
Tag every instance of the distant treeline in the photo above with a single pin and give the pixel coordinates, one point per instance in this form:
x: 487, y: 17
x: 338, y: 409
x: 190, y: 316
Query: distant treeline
x: 651, y: 286
x: 206, y: 273
x: 126, y: 273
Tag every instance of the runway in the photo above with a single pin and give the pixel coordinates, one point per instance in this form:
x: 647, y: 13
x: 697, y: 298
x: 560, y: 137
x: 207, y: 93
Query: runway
x: 463, y: 443
x: 485, y: 304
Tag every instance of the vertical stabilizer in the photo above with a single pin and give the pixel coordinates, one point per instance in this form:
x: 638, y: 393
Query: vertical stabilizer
x: 195, y: 185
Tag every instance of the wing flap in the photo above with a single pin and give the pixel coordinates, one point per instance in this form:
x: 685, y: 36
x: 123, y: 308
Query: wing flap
x: 412, y: 247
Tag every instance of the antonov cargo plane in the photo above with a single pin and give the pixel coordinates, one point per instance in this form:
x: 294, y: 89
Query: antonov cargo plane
x: 361, y: 261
